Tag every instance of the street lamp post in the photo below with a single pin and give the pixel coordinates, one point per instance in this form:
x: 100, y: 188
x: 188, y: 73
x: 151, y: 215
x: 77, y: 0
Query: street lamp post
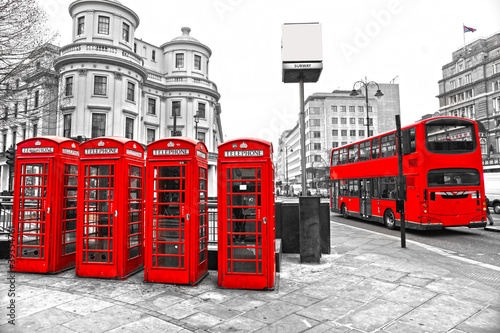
x: 378, y: 94
x: 196, y: 121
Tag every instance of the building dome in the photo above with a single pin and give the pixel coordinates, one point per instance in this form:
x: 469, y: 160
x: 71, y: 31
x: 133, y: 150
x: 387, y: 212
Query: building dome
x: 185, y: 36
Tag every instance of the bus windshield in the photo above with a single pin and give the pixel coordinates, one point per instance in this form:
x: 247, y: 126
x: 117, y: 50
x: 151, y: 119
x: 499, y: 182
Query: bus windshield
x: 450, y: 136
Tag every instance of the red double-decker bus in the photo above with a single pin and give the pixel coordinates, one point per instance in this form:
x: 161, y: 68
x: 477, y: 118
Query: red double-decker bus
x: 443, y: 170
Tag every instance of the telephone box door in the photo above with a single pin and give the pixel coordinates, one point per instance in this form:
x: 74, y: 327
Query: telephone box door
x: 246, y: 250
x: 99, y: 215
x: 170, y: 220
x: 34, y: 179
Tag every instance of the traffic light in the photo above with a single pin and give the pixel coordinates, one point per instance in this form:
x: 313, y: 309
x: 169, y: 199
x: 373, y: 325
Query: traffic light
x: 10, y: 154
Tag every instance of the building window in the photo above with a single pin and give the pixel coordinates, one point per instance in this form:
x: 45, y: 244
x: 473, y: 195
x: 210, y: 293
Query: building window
x: 352, y: 133
x: 343, y: 121
x: 98, y: 125
x: 315, y: 122
x: 81, y: 25
x: 496, y: 68
x: 24, y: 133
x: 103, y: 25
x: 468, y: 78
x: 129, y: 128
x: 151, y: 106
x: 361, y: 132
x: 176, y: 108
x: 335, y: 144
x: 352, y: 121
x: 201, y: 110
x: 317, y: 146
x: 130, y: 91
x: 6, y: 113
x: 179, y: 60
x: 176, y: 133
x: 361, y: 121
x: 135, y: 47
x: 452, y: 84
x: 343, y: 132
x: 35, y: 130
x: 25, y: 105
x: 335, y: 132
x: 197, y: 62
x: 67, y: 126
x: 37, y: 98
x: 352, y: 109
x: 316, y: 134
x: 370, y: 108
x: 361, y: 109
x: 126, y: 32
x: 4, y: 143
x: 335, y: 121
x: 496, y: 85
x: 16, y: 109
x: 68, y: 90
x: 334, y: 108
x: 100, y: 85
x: 200, y: 136
x: 153, y: 55
x: 151, y: 133
x: 343, y: 108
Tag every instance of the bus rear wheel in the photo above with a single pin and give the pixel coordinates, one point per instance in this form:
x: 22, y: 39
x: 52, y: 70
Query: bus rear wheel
x: 343, y: 209
x: 496, y: 207
x: 389, y: 219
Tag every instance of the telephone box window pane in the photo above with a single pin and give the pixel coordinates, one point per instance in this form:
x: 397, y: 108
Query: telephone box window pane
x: 169, y: 172
x: 241, y: 173
x: 244, y: 267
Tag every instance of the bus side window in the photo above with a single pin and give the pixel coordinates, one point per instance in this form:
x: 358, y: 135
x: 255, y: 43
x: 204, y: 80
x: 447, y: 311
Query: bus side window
x: 375, y: 148
x: 343, y: 188
x: 375, y: 188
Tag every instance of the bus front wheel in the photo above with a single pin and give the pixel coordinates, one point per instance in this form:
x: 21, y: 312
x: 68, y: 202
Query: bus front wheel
x: 343, y: 209
x: 390, y: 219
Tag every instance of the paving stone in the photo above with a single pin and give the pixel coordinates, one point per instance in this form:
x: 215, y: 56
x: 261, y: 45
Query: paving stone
x: 374, y: 315
x: 390, y: 275
x: 331, y: 308
x: 368, y: 270
x: 238, y: 324
x: 366, y: 290
x: 147, y: 324
x: 486, y: 321
x: 272, y: 311
x: 290, y: 324
x: 441, y: 313
x: 410, y: 296
x: 243, y: 303
x: 40, y: 321
x: 202, y: 320
x: 218, y: 310
x: 181, y: 309
x: 104, y: 320
x: 300, y: 299
x: 399, y: 327
x: 84, y: 305
x: 161, y: 303
x: 415, y: 281
x: 43, y: 301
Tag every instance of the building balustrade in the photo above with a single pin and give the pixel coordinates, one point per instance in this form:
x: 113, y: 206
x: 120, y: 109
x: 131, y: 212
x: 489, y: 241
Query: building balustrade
x: 101, y: 48
x: 190, y: 80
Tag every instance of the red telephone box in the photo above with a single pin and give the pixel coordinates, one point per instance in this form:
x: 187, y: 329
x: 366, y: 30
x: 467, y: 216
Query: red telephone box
x: 246, y: 225
x: 110, y: 208
x: 176, y: 211
x: 45, y: 194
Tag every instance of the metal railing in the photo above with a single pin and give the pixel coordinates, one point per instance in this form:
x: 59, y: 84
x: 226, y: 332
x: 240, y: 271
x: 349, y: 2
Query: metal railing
x: 5, y: 214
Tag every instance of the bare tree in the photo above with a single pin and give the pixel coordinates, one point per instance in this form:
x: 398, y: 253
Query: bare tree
x: 25, y: 61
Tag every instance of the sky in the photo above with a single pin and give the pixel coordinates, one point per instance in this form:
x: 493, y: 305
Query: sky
x: 403, y: 41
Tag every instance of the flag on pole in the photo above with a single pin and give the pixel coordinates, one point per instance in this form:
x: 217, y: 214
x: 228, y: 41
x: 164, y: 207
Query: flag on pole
x: 467, y: 29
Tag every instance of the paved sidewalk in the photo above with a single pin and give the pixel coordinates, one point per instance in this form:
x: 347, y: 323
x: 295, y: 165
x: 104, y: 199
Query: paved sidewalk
x: 367, y: 284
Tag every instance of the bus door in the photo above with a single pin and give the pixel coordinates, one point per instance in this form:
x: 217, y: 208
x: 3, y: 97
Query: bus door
x: 335, y: 196
x: 365, y: 202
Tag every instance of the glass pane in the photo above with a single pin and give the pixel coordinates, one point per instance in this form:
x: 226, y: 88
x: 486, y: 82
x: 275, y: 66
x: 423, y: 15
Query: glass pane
x: 241, y: 173
x: 169, y: 171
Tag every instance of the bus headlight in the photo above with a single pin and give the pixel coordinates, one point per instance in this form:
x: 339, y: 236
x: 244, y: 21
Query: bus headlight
x: 425, y: 211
